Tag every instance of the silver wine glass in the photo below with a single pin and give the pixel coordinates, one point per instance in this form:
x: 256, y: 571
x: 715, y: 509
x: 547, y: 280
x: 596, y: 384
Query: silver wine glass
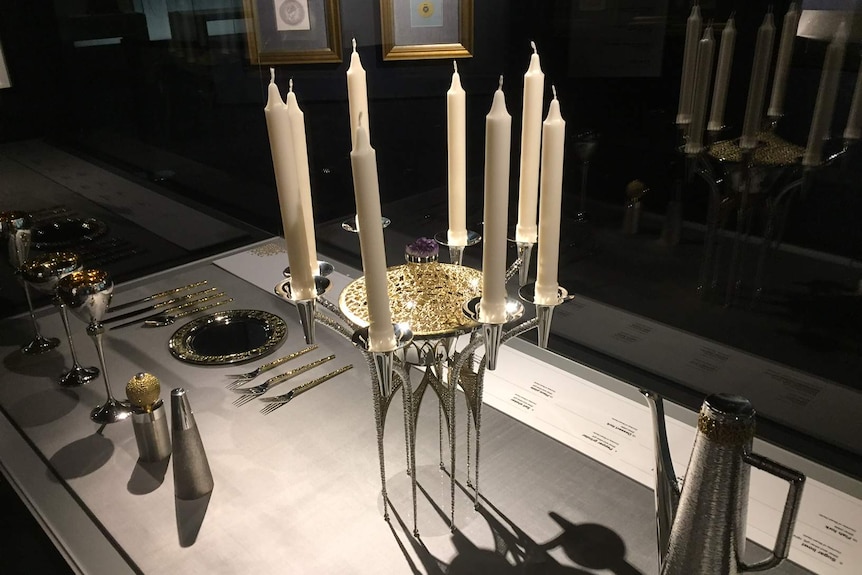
x: 17, y: 227
x: 87, y: 294
x: 43, y: 273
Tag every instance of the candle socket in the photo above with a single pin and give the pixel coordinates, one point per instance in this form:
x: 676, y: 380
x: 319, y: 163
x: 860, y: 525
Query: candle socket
x: 304, y: 308
x: 525, y: 253
x: 151, y: 432
x: 456, y: 252
x: 383, y: 360
x: 323, y: 269
x: 493, y: 332
x: 544, y: 311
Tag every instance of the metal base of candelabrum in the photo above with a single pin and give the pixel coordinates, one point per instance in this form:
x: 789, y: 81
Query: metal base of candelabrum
x: 352, y: 225
x: 430, y: 345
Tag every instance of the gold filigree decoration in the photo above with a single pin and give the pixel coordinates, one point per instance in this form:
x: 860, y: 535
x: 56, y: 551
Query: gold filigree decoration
x: 427, y: 296
x: 269, y: 249
x: 771, y: 151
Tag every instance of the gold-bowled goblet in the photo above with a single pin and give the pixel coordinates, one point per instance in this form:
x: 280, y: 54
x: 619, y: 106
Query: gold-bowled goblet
x: 87, y: 293
x: 43, y: 273
x: 17, y: 228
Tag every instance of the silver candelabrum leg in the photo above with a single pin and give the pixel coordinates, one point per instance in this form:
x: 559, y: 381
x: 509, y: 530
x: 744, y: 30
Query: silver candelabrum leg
x: 382, y: 367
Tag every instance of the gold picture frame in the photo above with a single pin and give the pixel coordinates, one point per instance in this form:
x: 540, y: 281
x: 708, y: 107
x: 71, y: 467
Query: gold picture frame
x: 293, y: 31
x: 426, y: 29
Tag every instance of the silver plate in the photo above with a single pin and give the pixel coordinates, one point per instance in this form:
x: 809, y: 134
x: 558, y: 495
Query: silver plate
x: 231, y: 336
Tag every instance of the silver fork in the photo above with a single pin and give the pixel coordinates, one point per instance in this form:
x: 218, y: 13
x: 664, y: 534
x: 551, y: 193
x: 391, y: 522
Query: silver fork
x: 243, y: 378
x: 252, y: 392
x: 279, y: 400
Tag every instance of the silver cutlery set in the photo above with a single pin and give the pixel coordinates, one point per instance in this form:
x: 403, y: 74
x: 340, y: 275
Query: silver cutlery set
x: 168, y: 310
x: 250, y: 393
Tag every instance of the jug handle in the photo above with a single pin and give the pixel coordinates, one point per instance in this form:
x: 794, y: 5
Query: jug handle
x: 791, y: 508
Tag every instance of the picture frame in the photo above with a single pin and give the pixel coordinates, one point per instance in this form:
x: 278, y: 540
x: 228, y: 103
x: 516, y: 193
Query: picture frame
x: 293, y: 31
x: 426, y: 29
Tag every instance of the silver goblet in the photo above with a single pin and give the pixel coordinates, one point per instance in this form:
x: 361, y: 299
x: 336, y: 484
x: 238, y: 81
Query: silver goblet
x: 87, y: 294
x: 44, y: 273
x: 16, y: 227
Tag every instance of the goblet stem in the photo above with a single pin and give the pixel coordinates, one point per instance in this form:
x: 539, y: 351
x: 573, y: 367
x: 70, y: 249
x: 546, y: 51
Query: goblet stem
x: 77, y: 375
x: 36, y: 331
x: 38, y: 344
x: 97, y: 334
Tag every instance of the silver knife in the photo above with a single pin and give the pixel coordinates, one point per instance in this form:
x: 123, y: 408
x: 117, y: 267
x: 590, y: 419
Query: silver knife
x: 159, y: 295
x: 167, y: 302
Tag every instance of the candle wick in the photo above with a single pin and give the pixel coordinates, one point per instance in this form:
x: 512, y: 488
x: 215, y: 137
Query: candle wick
x: 290, y: 85
x: 354, y: 44
x: 732, y: 15
x: 272, y: 75
x: 554, y: 91
x: 533, y: 46
x: 455, y: 64
x: 501, y: 82
x: 769, y: 9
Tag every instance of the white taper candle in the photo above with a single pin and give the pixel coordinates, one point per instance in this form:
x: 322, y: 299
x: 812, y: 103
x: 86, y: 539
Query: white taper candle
x: 303, y: 175
x: 757, y: 87
x: 722, y: 76
x: 705, y: 51
x: 782, y: 66
x: 456, y: 138
x: 498, y: 136
x: 292, y: 218
x: 826, y: 93
x: 553, y: 144
x: 689, y: 60
x: 363, y: 160
x: 853, y: 130
x: 531, y: 141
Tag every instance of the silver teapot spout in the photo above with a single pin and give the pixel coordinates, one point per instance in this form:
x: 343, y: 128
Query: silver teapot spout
x: 701, y: 528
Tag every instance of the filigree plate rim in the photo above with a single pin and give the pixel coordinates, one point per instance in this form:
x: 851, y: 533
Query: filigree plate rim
x: 179, y: 343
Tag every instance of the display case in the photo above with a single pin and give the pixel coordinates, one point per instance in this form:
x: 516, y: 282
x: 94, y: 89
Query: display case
x: 707, y: 243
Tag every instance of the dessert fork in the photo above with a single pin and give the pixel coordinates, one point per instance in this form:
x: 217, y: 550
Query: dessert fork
x: 243, y: 378
x: 279, y: 400
x: 252, y: 392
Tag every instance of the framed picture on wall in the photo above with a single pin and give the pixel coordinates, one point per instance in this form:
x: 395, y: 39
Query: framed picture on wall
x: 424, y: 29
x: 293, y: 31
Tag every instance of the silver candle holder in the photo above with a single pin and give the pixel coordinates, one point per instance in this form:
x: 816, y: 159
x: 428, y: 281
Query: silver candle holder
x: 305, y: 308
x: 424, y: 301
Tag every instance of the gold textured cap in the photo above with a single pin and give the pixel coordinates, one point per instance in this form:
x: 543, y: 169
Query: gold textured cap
x: 143, y: 390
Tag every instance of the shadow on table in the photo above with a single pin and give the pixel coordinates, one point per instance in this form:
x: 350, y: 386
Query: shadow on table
x: 589, y: 545
x: 190, y: 517
x: 43, y: 407
x: 49, y: 364
x: 147, y: 476
x: 82, y: 456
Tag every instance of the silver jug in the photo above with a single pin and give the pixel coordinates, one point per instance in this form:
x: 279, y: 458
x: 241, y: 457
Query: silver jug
x: 701, y: 528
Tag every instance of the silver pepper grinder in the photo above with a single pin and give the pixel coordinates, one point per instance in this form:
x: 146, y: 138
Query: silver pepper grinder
x: 192, y: 476
x: 148, y: 417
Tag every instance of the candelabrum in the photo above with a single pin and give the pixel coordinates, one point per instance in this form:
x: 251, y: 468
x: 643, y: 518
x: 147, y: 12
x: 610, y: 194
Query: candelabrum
x: 436, y: 307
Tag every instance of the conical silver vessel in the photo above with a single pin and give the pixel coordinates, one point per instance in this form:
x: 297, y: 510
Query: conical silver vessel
x: 192, y: 475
